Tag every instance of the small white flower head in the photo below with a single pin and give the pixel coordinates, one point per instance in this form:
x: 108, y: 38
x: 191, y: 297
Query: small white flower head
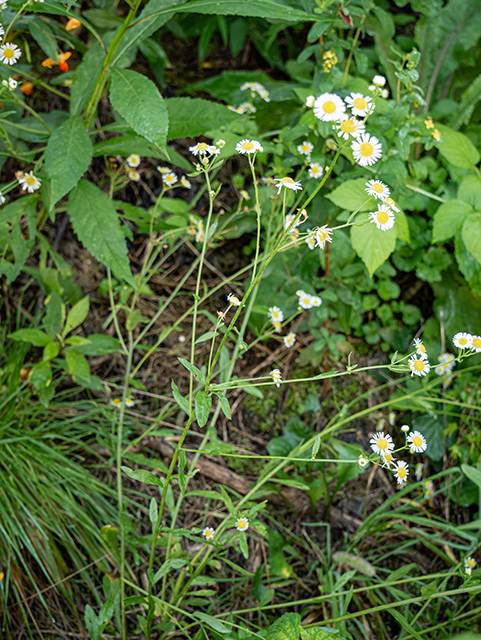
x: 418, y: 471
x: 242, y: 524
x: 238, y: 109
x: 391, y: 204
x: 323, y: 235
x: 248, y: 147
x: 247, y: 107
x: 439, y: 370
x: 220, y: 143
x: 405, y: 428
x: 377, y: 189
x: 264, y: 94
x: 276, y: 376
x: 418, y: 345
x: 29, y: 182
x: 305, y: 148
x: 116, y: 402
x: 133, y: 160
x: 9, y: 53
x: 381, y: 443
x: 476, y: 343
x: 429, y: 489
x: 469, y: 563
x: 208, y: 533
x: 329, y: 107
x: 250, y: 85
x: 129, y: 402
x: 468, y: 572
x: 163, y: 170
x: 133, y: 175
x: 316, y: 301
x: 3, y: 199
x: 310, y: 101
x: 305, y: 299
x: 379, y: 81
x: 315, y: 170
x: 383, y: 218
x: 274, y: 313
x: 310, y: 240
x: 392, y: 418
x: 277, y: 325
x: 169, y: 179
x: 417, y: 442
x: 362, y: 461
x: 349, y: 127
x: 366, y: 150
x: 419, y: 365
x: 245, y: 194
x: 233, y: 300
x: 463, y: 340
x: 331, y: 144
x: 12, y: 84
x: 385, y: 93
x: 185, y: 183
x: 203, y: 149
x: 290, y: 339
x: 401, y: 472
x: 359, y: 104
x: 2, y: 30
x: 289, y: 219
x: 388, y: 460
x: 288, y: 183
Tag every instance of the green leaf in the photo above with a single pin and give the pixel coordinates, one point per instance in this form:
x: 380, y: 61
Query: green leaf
x: 268, y: 9
x: 182, y: 402
x: 472, y: 473
x: 67, y: 157
x: 51, y: 351
x: 195, y: 371
x: 41, y: 375
x: 33, y: 336
x: 97, y: 226
x: 78, y: 367
x: 319, y: 633
x: 351, y: 195
x: 448, y: 219
x: 91, y: 623
x: 457, y: 148
x: 142, y: 475
x: 138, y: 100
x: 287, y: 627
x: 43, y: 36
x: 224, y: 405
x: 372, y: 245
x: 153, y: 513
x: 168, y: 566
x: 468, y: 265
x: 471, y: 234
x: 190, y: 117
x: 97, y: 344
x: 84, y: 78
x: 212, y: 622
x: 470, y: 191
x: 125, y: 145
x: 432, y: 429
x: 11, y: 235
x: 203, y: 404
x: 77, y: 315
x: 402, y: 227
x: 316, y: 446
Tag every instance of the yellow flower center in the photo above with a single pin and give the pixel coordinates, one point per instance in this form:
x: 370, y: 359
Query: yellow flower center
x: 366, y: 149
x: 463, y: 341
x: 419, y: 365
x: 401, y: 472
x: 305, y: 300
x: 30, y: 180
x: 305, y: 147
x: 202, y: 146
x: 247, y: 146
x: 377, y: 187
x: 322, y: 234
x: 470, y: 562
x: 359, y: 103
x: 382, y: 217
x: 241, y: 524
x: 390, y: 201
x: 417, y: 441
x: 348, y: 126
x: 329, y: 106
x: 9, y: 53
x: 388, y: 457
x: 421, y: 348
x: 477, y: 343
x: 315, y: 169
x: 287, y: 181
x: 382, y: 443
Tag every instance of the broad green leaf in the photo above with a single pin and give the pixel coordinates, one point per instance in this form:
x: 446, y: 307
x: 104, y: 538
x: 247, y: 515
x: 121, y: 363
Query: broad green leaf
x: 448, y: 219
x: 468, y: 265
x: 77, y: 315
x: 472, y: 473
x: 402, y: 227
x: 84, y: 79
x: 470, y: 191
x: 457, y: 148
x: 67, y: 157
x: 182, y: 402
x: 203, y: 404
x: 11, y: 235
x: 268, y: 9
x: 97, y: 226
x: 78, y: 367
x: 138, y: 100
x: 287, y: 627
x: 55, y: 314
x: 125, y: 145
x: 372, y: 245
x: 41, y: 375
x: 319, y: 633
x: 33, y: 336
x: 190, y: 117
x: 142, y: 475
x: 91, y: 623
x: 97, y: 344
x: 471, y: 234
x: 43, y: 36
x: 51, y: 351
x: 352, y: 195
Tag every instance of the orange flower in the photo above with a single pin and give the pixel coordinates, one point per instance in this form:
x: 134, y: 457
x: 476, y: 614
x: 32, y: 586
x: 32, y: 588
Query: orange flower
x: 63, y: 57
x: 62, y: 61
x: 26, y: 88
x: 73, y: 23
x: 48, y: 62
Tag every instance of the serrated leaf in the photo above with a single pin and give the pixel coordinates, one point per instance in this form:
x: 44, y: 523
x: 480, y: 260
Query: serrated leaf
x: 448, y: 219
x: 457, y: 148
x: 77, y: 315
x: 67, y: 157
x: 203, y: 404
x: 84, y: 79
x: 138, y: 100
x: 268, y: 9
x: 33, y: 336
x: 182, y: 402
x: 471, y: 234
x: 372, y: 245
x: 351, y: 195
x: 190, y: 117
x: 96, y: 223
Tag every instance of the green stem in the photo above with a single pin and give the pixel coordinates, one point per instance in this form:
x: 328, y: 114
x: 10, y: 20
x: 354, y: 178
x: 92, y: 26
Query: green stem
x: 258, y: 211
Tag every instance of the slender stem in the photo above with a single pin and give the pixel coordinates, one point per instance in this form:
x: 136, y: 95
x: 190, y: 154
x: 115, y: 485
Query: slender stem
x: 258, y: 211
x: 351, y: 53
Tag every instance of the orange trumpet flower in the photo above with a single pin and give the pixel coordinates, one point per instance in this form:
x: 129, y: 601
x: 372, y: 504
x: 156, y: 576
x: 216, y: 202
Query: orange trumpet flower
x: 62, y: 61
x: 73, y: 23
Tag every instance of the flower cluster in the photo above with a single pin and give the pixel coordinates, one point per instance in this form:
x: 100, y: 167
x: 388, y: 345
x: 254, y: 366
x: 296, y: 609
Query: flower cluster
x: 117, y: 403
x: 418, y: 362
x: 308, y: 301
x: 244, y: 107
x: 276, y: 317
x: 469, y: 565
x: 378, y: 82
x: 196, y: 229
x: 329, y: 59
x: 447, y: 362
x: 383, y: 218
x: 464, y: 341
x: 256, y: 88
x: 242, y: 524
x: 206, y: 152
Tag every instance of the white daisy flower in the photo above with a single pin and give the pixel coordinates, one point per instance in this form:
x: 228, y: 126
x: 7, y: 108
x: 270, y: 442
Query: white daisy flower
x: 429, y: 489
x: 264, y: 95
x: 310, y: 101
x: 116, y: 402
x: 304, y: 299
x: 315, y: 170
x: 29, y: 182
x: 331, y: 144
x: 277, y: 326
x: 392, y: 205
x: 305, y: 148
x: 323, y: 235
x: 417, y: 442
x: 12, y: 84
x: 418, y: 470
x: 329, y: 107
x: 380, y: 81
x: 133, y: 175
x: 169, y: 179
x: 248, y: 146
x: 468, y: 572
x: 290, y: 339
x: 208, y: 533
x: 383, y: 218
x: 274, y: 313
x: 359, y: 105
x: 220, y: 143
x: 377, y: 189
x: 203, y: 149
x: 475, y: 343
x: 381, y: 444
x: 310, y: 240
x: 349, y: 127
x: 247, y: 107
x: 401, y: 472
x: 289, y: 218
x: 133, y: 160
x: 387, y: 460
x: 289, y: 183
x: 366, y: 150
x: 9, y: 53
x: 463, y: 340
x: 233, y: 300
x: 129, y: 402
x: 242, y: 524
x: 469, y: 563
x: 249, y: 85
x: 163, y: 170
x: 419, y: 365
x: 362, y: 462
x: 316, y: 301
x: 276, y: 376
x: 418, y: 345
x: 185, y: 183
